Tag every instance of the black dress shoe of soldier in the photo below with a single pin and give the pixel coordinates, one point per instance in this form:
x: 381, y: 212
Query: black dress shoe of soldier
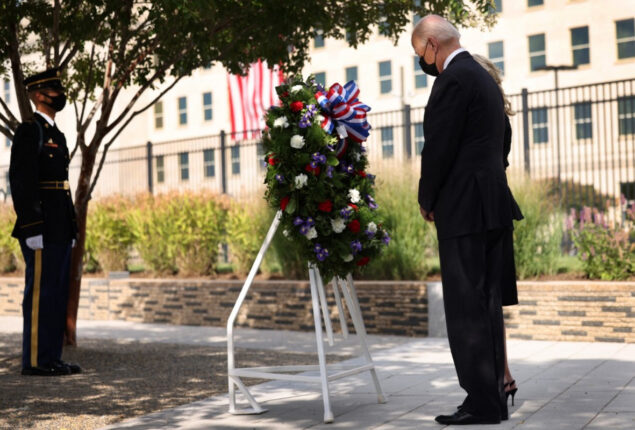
x: 74, y: 368
x: 52, y: 370
x: 462, y: 417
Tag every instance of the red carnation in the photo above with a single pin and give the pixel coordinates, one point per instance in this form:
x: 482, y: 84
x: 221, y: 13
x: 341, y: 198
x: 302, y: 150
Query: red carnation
x: 272, y: 161
x: 315, y: 170
x: 354, y: 207
x: 361, y: 173
x: 296, y: 106
x: 354, y: 226
x: 363, y: 261
x: 325, y: 206
x: 284, y: 202
x: 285, y: 94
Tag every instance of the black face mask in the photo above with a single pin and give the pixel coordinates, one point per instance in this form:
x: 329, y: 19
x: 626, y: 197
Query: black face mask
x: 429, y: 69
x: 57, y: 102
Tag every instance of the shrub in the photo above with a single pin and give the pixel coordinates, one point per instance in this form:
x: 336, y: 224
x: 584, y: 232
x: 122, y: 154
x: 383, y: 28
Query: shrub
x: 247, y: 225
x: 178, y: 232
x: 538, y: 236
x: 110, y: 233
x: 606, y: 252
x: 10, y: 254
x: 413, y: 240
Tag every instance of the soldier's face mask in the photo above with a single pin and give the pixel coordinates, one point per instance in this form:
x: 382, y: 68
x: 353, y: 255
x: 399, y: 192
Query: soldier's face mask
x: 57, y: 102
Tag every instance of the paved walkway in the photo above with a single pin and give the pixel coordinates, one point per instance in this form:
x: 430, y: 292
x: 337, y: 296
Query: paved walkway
x: 562, y: 385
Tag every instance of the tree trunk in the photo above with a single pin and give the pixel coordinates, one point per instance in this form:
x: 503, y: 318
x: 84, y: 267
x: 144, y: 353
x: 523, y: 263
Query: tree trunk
x: 81, y: 210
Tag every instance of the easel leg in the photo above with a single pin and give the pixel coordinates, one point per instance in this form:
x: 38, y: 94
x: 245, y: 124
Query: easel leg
x: 356, y: 315
x: 328, y: 414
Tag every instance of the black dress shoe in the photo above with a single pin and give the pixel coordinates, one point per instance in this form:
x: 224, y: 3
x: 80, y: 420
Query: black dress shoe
x: 52, y: 370
x: 74, y: 368
x: 461, y: 417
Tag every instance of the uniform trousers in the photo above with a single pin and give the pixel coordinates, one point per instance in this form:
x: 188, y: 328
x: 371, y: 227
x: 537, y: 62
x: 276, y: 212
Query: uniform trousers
x: 472, y: 268
x: 44, y: 304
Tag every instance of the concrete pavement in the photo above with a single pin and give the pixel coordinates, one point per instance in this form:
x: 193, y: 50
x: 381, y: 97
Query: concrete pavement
x: 562, y: 385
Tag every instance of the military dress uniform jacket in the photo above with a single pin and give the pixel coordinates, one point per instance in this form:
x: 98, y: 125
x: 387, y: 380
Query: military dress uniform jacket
x: 39, y: 183
x: 463, y: 160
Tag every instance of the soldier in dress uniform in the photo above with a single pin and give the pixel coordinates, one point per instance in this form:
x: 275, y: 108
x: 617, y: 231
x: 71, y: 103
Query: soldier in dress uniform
x: 45, y: 226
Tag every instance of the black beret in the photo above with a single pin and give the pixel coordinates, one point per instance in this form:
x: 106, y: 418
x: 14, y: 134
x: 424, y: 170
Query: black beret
x: 50, y: 78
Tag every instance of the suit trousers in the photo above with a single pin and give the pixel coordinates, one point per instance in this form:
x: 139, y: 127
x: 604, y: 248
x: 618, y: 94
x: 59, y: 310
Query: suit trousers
x: 471, y: 271
x: 44, y: 304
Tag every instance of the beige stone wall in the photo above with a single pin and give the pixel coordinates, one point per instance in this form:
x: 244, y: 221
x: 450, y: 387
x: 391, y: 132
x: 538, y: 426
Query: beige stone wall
x: 569, y: 310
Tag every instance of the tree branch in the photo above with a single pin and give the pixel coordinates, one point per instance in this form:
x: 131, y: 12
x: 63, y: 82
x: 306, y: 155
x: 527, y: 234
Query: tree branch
x: 63, y: 63
x: 4, y: 130
x: 56, y: 32
x: 88, y: 83
x: 124, y: 125
x: 10, y: 119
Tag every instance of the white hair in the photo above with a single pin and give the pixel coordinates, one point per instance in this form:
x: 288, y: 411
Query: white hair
x: 438, y: 27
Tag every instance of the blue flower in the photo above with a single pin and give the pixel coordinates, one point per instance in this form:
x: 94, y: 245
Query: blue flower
x: 329, y: 171
x: 356, y: 246
x: 298, y: 221
x: 386, y: 238
x: 279, y: 178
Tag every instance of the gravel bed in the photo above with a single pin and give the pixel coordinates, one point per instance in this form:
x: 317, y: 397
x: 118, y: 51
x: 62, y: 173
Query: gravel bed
x: 120, y: 380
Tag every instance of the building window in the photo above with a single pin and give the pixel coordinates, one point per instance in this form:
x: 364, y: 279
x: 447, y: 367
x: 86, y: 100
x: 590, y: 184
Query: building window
x: 235, y: 154
x: 182, y: 110
x: 160, y: 167
x: 419, y: 139
x: 495, y: 53
x: 537, y: 52
x: 539, y: 125
x: 209, y: 163
x: 318, y: 41
x: 421, y: 79
x: 625, y: 32
x: 184, y: 165
x: 532, y: 3
x: 580, y: 45
x: 387, y: 145
x: 351, y: 73
x: 626, y: 115
x: 260, y: 156
x: 7, y: 141
x: 497, y: 7
x: 7, y: 91
x: 348, y: 36
x: 158, y: 115
x: 207, y: 106
x: 7, y: 183
x: 384, y: 27
x: 320, y: 78
x: 385, y: 77
x: 582, y: 120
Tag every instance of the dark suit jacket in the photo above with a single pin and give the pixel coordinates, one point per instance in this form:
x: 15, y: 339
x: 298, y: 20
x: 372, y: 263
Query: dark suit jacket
x: 463, y: 160
x: 41, y: 211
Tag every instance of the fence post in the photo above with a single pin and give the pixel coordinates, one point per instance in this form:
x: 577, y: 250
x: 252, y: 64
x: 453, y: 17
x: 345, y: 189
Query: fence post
x: 407, y: 131
x: 526, y: 154
x: 149, y: 160
x: 223, y: 167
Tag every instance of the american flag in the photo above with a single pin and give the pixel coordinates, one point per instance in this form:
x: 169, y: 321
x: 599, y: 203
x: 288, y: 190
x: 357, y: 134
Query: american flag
x: 249, y: 98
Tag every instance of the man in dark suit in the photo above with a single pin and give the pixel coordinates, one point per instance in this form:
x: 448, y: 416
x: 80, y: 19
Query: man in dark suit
x: 45, y: 226
x: 463, y: 189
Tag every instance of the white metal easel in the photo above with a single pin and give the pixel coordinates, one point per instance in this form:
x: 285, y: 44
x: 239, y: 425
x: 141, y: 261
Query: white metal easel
x: 318, y: 297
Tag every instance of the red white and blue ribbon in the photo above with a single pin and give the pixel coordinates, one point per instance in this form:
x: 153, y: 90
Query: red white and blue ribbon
x: 344, y: 112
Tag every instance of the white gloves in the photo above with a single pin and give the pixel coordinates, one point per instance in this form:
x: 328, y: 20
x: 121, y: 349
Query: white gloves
x: 35, y: 242
x: 73, y: 243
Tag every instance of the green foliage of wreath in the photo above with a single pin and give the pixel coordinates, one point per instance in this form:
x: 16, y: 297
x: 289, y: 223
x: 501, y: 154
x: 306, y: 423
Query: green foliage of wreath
x: 327, y: 200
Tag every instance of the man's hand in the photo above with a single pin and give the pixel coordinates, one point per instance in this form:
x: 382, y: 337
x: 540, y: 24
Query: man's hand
x: 426, y: 216
x: 35, y: 242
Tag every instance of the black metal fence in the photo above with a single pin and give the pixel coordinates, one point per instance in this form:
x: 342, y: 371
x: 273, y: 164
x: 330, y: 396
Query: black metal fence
x: 581, y: 140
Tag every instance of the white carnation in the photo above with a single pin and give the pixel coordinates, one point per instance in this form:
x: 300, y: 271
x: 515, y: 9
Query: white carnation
x: 338, y: 225
x: 301, y: 180
x: 372, y: 227
x: 357, y: 156
x: 297, y: 141
x: 312, y: 233
x: 296, y: 88
x: 318, y: 118
x: 282, y: 122
x: 285, y: 232
x: 353, y: 194
x: 348, y: 258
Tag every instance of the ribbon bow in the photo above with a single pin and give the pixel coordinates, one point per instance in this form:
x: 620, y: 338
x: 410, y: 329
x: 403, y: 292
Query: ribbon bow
x: 344, y: 112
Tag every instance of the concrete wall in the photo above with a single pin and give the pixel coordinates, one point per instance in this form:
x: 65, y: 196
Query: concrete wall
x: 568, y: 310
